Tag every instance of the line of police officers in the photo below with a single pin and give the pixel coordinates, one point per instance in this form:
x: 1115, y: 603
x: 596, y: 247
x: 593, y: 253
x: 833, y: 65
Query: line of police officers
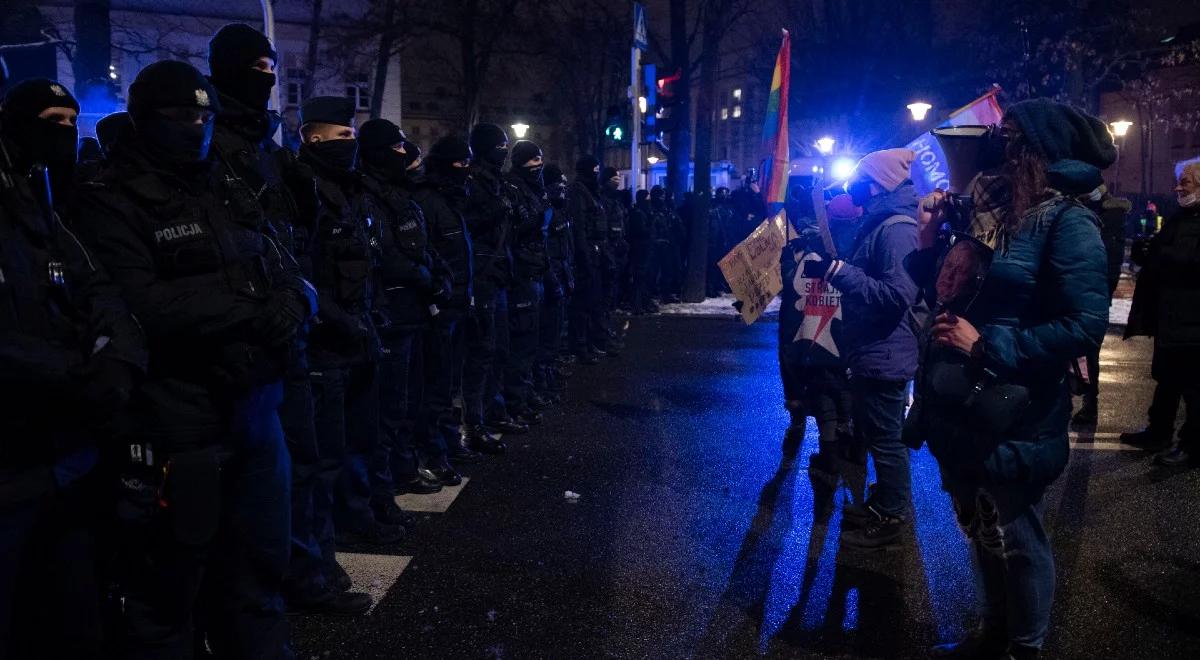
x: 220, y: 359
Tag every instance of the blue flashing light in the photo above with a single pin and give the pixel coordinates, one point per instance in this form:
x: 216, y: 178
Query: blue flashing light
x: 843, y: 168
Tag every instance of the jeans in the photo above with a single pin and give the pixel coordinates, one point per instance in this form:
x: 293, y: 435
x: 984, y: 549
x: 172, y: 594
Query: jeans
x: 1011, y: 557
x: 878, y: 410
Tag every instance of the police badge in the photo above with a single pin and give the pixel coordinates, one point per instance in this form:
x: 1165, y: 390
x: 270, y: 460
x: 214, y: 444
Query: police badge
x: 202, y: 98
x: 58, y: 90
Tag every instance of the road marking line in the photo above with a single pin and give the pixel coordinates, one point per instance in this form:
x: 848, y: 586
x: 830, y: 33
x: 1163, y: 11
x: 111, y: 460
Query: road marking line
x: 1085, y: 436
x: 372, y: 574
x: 437, y: 502
x: 1103, y: 446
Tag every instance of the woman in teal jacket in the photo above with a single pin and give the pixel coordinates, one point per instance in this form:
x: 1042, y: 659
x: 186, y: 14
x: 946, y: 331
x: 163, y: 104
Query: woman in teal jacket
x: 1042, y: 303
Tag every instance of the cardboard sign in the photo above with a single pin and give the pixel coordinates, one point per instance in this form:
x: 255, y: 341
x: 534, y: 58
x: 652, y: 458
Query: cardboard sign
x: 752, y: 267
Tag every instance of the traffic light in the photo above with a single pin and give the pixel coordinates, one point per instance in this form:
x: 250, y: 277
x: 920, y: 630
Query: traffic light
x: 650, y: 131
x: 665, y: 102
x: 616, y: 126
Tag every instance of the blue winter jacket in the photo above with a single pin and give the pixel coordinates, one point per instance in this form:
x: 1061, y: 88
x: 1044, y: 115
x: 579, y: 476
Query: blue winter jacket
x: 1043, y: 303
x: 878, y: 292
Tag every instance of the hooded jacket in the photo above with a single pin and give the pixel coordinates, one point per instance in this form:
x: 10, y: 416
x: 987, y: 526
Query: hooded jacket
x: 878, y: 292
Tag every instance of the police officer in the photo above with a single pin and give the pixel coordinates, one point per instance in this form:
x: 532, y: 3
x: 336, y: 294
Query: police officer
x: 643, y: 271
x: 530, y: 266
x: 242, y: 62
x: 616, y: 209
x: 589, y: 223
x: 489, y: 213
x: 206, y: 495
x: 70, y: 354
x: 344, y: 350
x: 558, y: 285
x: 668, y: 231
x: 441, y: 194
x: 410, y: 288
x: 111, y: 129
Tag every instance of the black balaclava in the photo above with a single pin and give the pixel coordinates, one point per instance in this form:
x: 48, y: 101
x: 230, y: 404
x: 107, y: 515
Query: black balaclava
x: 489, y: 143
x: 412, y: 156
x: 523, y: 152
x: 439, y: 165
x: 336, y: 155
x: 231, y: 52
x: 172, y: 84
x: 587, y: 171
x: 642, y: 197
x: 113, y: 129
x: 40, y: 140
x: 376, y: 141
x: 606, y: 176
x: 556, y: 186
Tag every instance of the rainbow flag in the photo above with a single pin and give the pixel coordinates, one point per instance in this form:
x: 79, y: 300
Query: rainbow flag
x: 775, y: 131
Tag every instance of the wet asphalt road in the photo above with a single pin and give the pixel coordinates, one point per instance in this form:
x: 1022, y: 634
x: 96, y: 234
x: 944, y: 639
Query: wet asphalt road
x: 694, y: 538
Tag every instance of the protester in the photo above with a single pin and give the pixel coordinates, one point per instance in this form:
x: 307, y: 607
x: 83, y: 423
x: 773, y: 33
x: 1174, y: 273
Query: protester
x: 878, y: 295
x: 1041, y: 305
x: 1166, y: 306
x: 590, y: 230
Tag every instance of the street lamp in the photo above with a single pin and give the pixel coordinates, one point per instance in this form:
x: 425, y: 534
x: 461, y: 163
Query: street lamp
x: 825, y: 145
x: 1119, y: 128
x: 519, y: 130
x: 919, y: 109
x: 652, y: 159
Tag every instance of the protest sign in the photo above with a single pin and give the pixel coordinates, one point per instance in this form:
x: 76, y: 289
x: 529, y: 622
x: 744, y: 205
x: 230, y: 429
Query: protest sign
x: 752, y: 267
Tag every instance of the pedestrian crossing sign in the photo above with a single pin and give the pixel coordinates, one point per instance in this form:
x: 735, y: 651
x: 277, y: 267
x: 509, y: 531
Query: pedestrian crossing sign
x: 639, y: 27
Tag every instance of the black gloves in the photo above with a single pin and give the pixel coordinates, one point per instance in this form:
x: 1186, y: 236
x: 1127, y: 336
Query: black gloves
x: 107, y: 386
x: 283, y: 315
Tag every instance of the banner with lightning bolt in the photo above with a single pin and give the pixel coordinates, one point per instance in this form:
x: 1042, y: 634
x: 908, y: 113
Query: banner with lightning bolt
x: 820, y: 303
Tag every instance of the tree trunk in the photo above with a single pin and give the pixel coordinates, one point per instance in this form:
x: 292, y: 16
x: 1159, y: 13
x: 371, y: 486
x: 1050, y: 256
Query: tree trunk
x: 695, y: 284
x: 93, y: 55
x: 680, y: 158
x: 310, y: 60
x: 387, y: 36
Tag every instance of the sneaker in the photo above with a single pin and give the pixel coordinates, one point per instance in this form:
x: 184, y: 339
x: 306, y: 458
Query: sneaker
x: 857, y: 515
x: 980, y: 644
x: 881, y: 534
x: 1176, y: 457
x: 347, y: 603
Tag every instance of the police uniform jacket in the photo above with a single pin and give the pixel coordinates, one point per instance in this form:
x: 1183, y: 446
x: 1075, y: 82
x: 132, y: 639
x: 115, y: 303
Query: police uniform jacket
x: 59, y: 314
x: 440, y: 201
x: 589, y: 224
x: 405, y: 279
x: 344, y: 333
x: 533, y: 214
x: 489, y: 212
x: 197, y: 269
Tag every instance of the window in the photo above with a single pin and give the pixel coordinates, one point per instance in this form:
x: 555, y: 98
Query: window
x: 724, y: 113
x: 737, y: 111
x: 358, y: 89
x: 294, y: 89
x: 415, y: 105
x: 737, y: 94
x: 416, y: 130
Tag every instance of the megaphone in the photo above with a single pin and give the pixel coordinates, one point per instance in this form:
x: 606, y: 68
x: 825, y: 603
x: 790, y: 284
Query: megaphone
x: 969, y: 150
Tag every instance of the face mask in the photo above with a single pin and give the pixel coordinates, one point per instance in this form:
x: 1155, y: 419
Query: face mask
x: 860, y: 192
x: 495, y: 157
x: 252, y: 88
x: 337, y: 154
x: 532, y: 175
x: 49, y: 143
x: 458, y: 175
x: 395, y: 164
x: 1189, y: 200
x: 175, y: 142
